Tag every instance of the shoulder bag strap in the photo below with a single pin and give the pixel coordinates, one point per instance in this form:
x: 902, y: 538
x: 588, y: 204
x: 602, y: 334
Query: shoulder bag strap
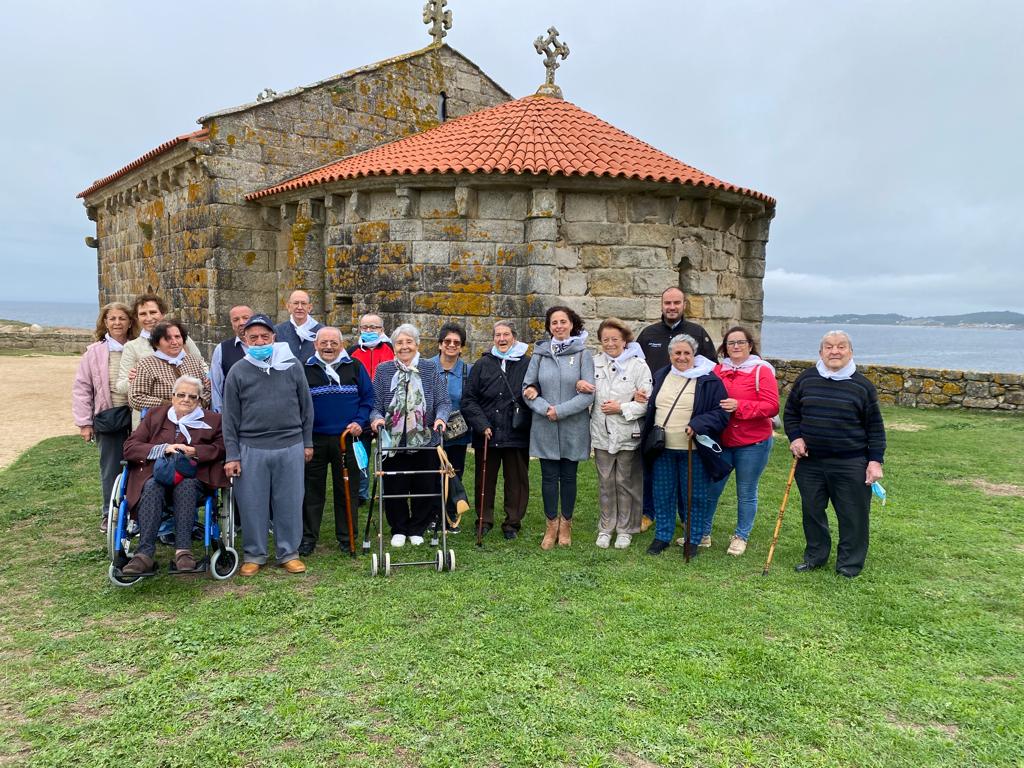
x: 669, y: 414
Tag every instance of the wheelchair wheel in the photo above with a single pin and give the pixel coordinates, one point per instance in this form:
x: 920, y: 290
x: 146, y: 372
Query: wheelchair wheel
x: 451, y: 559
x: 373, y: 564
x: 112, y: 510
x: 223, y: 563
x: 118, y: 579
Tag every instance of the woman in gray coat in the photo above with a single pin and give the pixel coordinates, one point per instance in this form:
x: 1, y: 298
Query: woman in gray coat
x: 560, y: 436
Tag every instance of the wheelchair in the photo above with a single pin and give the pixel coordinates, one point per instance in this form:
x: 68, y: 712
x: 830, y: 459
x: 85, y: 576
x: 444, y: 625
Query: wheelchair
x: 215, y: 524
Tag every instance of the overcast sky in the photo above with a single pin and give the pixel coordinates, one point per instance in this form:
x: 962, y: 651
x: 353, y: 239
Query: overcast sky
x: 890, y: 132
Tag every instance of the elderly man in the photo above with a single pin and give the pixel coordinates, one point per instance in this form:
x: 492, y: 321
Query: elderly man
x: 653, y: 340
x: 268, y: 438
x: 149, y: 310
x: 835, y: 429
x: 342, y: 398
x: 373, y: 348
x: 299, y: 330
x: 227, y: 353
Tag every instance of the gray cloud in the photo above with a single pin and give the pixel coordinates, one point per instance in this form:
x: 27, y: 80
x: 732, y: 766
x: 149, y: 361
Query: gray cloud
x: 887, y: 130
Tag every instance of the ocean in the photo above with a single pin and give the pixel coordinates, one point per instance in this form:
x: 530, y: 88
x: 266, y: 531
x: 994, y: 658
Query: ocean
x: 974, y: 349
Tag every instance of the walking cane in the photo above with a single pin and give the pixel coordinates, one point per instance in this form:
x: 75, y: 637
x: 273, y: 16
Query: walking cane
x: 348, y: 492
x: 778, y: 521
x: 689, y: 499
x: 369, y: 514
x: 480, y: 504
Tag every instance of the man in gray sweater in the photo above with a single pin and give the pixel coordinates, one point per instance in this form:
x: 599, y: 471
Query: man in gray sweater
x: 268, y: 438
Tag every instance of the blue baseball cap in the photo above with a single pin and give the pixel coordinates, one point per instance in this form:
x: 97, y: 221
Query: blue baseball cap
x: 259, y: 320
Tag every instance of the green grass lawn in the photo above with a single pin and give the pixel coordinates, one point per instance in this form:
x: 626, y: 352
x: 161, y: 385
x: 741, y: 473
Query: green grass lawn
x: 583, y: 657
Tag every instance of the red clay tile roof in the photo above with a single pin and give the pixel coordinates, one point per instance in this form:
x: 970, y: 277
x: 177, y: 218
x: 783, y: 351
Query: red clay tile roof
x: 535, y: 135
x: 165, y: 147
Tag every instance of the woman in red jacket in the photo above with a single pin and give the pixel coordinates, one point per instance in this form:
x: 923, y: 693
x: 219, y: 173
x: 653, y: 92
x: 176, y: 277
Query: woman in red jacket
x: 747, y: 440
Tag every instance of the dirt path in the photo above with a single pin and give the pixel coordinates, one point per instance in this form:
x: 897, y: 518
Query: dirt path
x: 35, y: 401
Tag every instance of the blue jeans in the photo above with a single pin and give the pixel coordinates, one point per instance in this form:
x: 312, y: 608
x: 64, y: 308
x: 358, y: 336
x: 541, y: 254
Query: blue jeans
x: 749, y: 462
x: 669, y: 480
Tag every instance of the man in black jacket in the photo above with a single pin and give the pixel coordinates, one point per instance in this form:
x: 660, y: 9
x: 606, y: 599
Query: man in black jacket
x: 835, y: 429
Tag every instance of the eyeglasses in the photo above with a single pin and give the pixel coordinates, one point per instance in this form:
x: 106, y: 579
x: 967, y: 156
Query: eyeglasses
x: 329, y: 343
x: 737, y: 343
x: 184, y: 396
x: 452, y: 343
x: 371, y: 327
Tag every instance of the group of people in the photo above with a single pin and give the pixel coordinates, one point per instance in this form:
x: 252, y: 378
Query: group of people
x: 666, y: 416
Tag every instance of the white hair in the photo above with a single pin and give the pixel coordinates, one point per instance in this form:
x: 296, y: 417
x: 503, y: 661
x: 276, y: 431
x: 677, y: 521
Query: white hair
x: 323, y: 328
x: 407, y: 329
x: 506, y: 324
x: 190, y: 380
x: 844, y: 334
x: 683, y: 338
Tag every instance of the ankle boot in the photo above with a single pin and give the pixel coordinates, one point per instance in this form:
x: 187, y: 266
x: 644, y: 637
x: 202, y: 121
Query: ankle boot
x: 550, y: 534
x: 565, y: 532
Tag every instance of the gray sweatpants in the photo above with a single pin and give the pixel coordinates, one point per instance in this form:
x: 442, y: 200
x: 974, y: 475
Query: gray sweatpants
x: 271, y: 477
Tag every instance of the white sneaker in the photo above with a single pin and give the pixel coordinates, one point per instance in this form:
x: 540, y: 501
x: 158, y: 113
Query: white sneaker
x: 416, y: 540
x: 622, y: 540
x: 398, y: 540
x: 604, y: 540
x: 705, y: 542
x: 681, y: 541
x: 737, y: 546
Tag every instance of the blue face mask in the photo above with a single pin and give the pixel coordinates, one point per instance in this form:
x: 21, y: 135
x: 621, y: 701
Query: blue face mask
x: 362, y: 460
x: 261, y: 353
x: 708, y: 442
x: 369, y: 337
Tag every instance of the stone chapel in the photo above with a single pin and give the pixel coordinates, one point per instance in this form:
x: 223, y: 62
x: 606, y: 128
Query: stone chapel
x: 417, y: 187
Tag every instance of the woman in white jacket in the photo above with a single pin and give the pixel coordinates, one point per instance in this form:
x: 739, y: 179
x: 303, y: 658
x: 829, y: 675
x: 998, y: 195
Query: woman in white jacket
x: 616, y: 420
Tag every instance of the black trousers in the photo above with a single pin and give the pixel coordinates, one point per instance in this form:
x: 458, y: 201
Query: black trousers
x: 327, y: 454
x: 111, y: 445
x: 411, y: 516
x: 840, y: 481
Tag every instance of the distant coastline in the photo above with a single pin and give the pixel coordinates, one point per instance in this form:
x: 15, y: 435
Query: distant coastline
x: 1003, y: 320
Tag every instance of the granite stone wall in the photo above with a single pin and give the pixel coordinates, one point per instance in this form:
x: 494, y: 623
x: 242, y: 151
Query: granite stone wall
x: 928, y: 387
x: 46, y: 341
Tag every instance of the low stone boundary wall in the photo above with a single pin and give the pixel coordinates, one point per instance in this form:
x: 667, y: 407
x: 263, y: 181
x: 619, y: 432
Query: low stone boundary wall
x: 928, y: 387
x: 34, y: 338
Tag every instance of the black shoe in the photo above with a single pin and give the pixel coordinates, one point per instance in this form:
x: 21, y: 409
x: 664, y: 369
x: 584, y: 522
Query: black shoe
x: 484, y: 530
x: 848, y: 573
x: 510, y: 535
x: 306, y: 549
x: 692, y: 550
x: 454, y: 529
x: 805, y: 566
x: 657, y: 547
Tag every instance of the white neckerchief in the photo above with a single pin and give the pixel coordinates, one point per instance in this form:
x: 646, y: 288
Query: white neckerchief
x: 557, y: 347
x: 144, y: 334
x: 701, y: 367
x: 746, y: 366
x: 632, y: 350
x: 381, y: 339
x: 329, y: 368
x: 842, y: 374
x: 413, y: 367
x: 281, y: 359
x: 175, y: 361
x: 113, y: 345
x: 305, y: 331
x: 515, y: 353
x: 192, y: 419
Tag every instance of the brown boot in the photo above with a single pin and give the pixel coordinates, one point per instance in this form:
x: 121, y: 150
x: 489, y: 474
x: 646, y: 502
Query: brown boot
x: 565, y: 532
x: 550, y: 534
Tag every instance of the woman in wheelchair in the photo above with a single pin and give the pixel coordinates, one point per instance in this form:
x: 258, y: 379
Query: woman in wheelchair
x: 182, y: 430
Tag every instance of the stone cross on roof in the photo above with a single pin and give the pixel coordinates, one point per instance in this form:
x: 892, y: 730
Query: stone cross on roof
x: 438, y: 18
x: 551, y: 49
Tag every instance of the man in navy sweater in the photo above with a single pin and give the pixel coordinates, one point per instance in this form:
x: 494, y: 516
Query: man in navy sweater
x: 342, y: 398
x: 835, y: 429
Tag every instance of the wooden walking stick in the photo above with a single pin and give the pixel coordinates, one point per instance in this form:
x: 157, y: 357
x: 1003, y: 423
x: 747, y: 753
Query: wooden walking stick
x: 480, y: 503
x: 689, y: 499
x: 348, y: 491
x: 778, y: 521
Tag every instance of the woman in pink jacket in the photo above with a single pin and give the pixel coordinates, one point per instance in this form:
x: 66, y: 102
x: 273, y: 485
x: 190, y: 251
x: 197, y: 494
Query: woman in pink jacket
x: 747, y: 440
x: 101, y: 414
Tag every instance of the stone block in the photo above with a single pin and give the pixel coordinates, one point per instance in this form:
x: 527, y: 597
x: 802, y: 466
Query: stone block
x: 631, y: 310
x: 1014, y: 398
x: 719, y: 307
x: 542, y: 229
x: 888, y: 381
x: 501, y: 204
x: 581, y: 206
x: 437, y: 204
x: 592, y: 256
x: 976, y: 389
x: 651, y: 234
x: 637, y: 257
x: 689, y: 253
x: 427, y: 252
x: 540, y: 253
x: 572, y: 282
x: 983, y: 403
x: 952, y: 388
x: 496, y: 230
x: 467, y: 82
x: 714, y: 217
x: 543, y: 203
x: 406, y: 229
x: 653, y: 281
x: 719, y: 261
x: 386, y: 205
x: 752, y: 268
x: 567, y: 258
x: 451, y: 304
x: 445, y: 229
x: 731, y: 244
x: 750, y: 288
x: 595, y: 233
x: 643, y: 208
x: 611, y: 282
x: 538, y: 279
x: 728, y: 284
x: 474, y: 253
x: 510, y: 255
x: 394, y: 305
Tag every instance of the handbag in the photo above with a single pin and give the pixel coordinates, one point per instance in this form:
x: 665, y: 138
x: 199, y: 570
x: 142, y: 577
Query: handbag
x: 456, y: 426
x: 521, y: 415
x: 118, y: 419
x: 171, y: 469
x: 654, y: 443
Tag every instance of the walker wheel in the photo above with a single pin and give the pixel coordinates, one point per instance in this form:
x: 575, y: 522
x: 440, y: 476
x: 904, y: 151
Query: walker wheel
x: 373, y: 564
x: 387, y: 563
x: 440, y: 561
x: 451, y: 559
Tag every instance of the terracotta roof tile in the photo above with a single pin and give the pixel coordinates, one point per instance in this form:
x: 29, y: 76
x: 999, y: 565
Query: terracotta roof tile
x: 535, y: 135
x: 165, y: 147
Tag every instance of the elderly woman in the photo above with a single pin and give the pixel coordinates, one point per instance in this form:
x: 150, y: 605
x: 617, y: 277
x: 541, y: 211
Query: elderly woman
x: 560, y: 435
x: 616, y: 420
x: 492, y: 404
x: 450, y: 341
x: 686, y: 403
x: 753, y: 399
x: 101, y: 413
x: 156, y: 373
x: 411, y: 407
x: 183, y: 427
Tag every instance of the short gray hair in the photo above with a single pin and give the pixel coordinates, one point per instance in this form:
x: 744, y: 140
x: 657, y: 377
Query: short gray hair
x: 407, y: 329
x: 191, y: 380
x: 844, y: 334
x: 683, y: 338
x: 323, y: 328
x: 507, y: 324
